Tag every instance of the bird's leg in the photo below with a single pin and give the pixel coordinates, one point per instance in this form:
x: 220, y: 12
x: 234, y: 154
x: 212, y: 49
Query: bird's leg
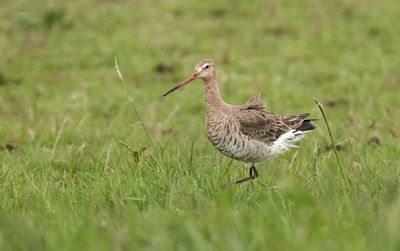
x: 243, y: 180
x: 253, y: 174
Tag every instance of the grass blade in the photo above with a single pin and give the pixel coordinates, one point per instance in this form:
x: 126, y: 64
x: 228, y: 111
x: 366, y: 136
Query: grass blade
x: 145, y: 128
x: 341, y: 168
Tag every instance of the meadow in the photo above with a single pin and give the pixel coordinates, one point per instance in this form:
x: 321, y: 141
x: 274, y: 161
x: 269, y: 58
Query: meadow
x: 79, y: 172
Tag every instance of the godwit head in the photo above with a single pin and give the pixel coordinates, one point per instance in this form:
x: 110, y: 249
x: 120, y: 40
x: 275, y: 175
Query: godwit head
x: 205, y: 70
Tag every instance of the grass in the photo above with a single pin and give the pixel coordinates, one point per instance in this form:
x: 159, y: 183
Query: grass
x: 333, y: 144
x: 68, y: 183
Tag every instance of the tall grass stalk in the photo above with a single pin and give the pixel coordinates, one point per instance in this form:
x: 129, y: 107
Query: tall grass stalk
x: 130, y: 100
x: 341, y: 168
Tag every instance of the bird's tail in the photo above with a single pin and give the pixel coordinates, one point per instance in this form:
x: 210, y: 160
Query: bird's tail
x: 307, y: 124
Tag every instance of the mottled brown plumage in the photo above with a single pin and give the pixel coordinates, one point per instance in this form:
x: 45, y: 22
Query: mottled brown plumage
x: 248, y: 133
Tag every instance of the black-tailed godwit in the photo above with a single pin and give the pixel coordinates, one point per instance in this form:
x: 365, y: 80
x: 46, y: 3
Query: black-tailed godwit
x: 247, y: 133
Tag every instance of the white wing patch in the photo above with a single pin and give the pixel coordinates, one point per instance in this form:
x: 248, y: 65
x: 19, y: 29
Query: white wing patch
x: 286, y: 141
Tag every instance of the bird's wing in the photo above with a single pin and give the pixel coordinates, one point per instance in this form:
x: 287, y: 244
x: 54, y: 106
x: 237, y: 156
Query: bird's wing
x: 255, y: 103
x: 261, y: 125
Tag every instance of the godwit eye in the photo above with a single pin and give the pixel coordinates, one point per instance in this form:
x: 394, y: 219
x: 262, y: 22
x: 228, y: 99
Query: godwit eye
x: 207, y: 66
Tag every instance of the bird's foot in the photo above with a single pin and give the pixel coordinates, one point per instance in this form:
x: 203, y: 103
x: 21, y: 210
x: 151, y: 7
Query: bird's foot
x: 253, y: 174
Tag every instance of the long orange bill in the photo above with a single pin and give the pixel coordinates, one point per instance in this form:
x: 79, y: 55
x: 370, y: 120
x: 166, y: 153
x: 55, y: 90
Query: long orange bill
x: 182, y: 83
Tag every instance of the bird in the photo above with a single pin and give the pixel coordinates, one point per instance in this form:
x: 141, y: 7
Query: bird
x: 247, y: 133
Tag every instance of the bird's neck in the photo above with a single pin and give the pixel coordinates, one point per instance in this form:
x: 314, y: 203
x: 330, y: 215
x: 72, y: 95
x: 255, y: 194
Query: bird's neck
x: 212, y: 97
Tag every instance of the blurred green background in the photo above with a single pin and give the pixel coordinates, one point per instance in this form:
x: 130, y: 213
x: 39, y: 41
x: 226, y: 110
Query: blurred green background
x: 77, y: 171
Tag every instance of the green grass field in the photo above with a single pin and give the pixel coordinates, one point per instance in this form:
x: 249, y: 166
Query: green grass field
x: 77, y: 171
